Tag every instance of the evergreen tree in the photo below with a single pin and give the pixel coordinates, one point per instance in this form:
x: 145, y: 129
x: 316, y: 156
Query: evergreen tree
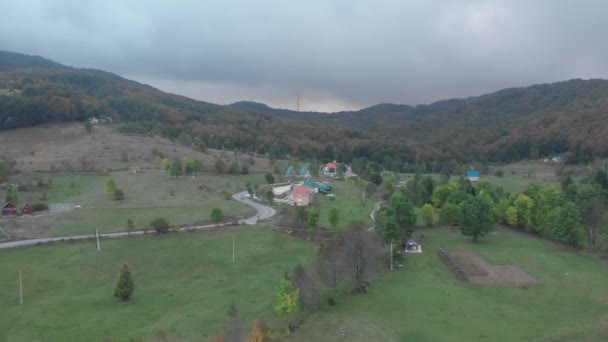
x: 124, y: 286
x: 12, y: 194
x: 110, y: 186
x: 333, y: 217
x: 313, y: 219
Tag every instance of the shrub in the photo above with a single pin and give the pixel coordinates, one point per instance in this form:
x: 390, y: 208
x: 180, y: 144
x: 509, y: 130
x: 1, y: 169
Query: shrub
x: 499, y: 173
x: 119, y: 195
x: 124, y: 286
x: 40, y: 207
x: 161, y: 225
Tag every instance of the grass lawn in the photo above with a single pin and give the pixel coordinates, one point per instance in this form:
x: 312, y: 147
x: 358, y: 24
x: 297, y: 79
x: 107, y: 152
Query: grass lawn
x: 424, y: 302
x: 184, y: 284
x: 148, y: 196
x: 515, y: 183
x: 348, y: 203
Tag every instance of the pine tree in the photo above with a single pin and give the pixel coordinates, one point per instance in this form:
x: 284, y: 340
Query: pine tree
x: 124, y: 286
x: 110, y: 186
x: 334, y: 218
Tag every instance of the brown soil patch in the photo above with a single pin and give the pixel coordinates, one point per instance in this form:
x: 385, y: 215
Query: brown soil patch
x: 473, y: 268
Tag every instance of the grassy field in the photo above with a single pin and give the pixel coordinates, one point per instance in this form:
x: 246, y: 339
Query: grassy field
x: 516, y: 183
x: 349, y: 205
x: 184, y: 285
x: 424, y: 302
x: 147, y: 196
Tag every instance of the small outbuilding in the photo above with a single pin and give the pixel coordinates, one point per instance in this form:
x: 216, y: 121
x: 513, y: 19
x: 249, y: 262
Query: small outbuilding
x: 27, y: 209
x: 473, y: 176
x: 9, y: 209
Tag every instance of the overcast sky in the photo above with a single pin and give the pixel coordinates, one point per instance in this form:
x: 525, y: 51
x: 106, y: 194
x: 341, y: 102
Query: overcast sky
x: 337, y: 54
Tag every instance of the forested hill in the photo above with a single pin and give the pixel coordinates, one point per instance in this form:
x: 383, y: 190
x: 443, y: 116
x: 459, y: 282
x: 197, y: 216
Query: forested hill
x: 34, y: 90
x: 569, y: 117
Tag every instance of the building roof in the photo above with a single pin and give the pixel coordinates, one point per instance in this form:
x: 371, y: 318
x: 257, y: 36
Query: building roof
x: 303, y: 170
x: 472, y: 173
x: 301, y: 190
x: 9, y: 205
x: 289, y: 171
x: 332, y: 165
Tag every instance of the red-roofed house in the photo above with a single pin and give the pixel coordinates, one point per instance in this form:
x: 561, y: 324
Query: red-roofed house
x: 331, y: 168
x: 302, y: 195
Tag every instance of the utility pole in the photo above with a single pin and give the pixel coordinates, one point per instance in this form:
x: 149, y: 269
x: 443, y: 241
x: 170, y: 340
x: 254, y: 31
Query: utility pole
x: 97, y: 238
x: 20, y: 288
x: 391, y: 254
x: 233, y: 247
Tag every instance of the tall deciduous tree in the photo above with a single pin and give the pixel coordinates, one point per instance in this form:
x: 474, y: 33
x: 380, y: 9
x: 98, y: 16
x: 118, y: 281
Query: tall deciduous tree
x: 404, y: 212
x: 477, y: 218
x: 450, y: 214
x: 124, y: 285
x: 428, y: 214
x: 568, y: 227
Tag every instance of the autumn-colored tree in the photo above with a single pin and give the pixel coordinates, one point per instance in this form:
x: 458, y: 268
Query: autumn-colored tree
x: 258, y: 332
x: 286, y: 299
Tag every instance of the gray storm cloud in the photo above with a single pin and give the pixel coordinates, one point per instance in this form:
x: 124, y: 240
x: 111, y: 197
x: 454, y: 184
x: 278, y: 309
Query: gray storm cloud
x: 336, y: 54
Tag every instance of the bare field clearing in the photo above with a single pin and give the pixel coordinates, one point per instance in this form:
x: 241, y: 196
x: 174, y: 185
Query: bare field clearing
x: 70, y: 148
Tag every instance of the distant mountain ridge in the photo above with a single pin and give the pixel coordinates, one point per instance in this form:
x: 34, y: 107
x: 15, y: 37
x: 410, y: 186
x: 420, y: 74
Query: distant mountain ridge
x: 569, y: 117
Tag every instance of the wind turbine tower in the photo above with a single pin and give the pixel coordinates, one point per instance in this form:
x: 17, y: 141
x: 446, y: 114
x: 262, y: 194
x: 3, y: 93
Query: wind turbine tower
x: 298, y: 102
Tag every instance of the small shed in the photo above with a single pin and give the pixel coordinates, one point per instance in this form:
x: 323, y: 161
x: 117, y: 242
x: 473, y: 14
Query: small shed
x: 289, y: 171
x: 303, y: 170
x: 9, y: 209
x: 27, y: 209
x: 473, y: 176
x: 302, y: 195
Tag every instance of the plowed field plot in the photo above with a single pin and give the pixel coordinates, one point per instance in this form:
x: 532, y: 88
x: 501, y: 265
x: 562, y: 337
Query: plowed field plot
x: 473, y: 268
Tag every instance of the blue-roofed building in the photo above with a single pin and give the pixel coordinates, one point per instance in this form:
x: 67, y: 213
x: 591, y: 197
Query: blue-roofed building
x: 473, y: 176
x: 289, y: 171
x: 303, y: 170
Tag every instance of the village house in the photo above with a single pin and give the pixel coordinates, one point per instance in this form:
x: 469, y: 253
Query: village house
x: 27, y: 209
x: 331, y: 168
x: 9, y: 209
x: 302, y: 195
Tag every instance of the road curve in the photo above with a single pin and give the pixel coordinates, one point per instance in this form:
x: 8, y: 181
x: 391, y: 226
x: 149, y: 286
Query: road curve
x: 263, y: 212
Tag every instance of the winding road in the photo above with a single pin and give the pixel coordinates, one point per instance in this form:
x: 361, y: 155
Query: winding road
x: 263, y: 212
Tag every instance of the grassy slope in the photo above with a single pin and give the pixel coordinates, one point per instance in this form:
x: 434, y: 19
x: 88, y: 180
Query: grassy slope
x: 146, y: 198
x: 68, y: 288
x: 348, y: 203
x: 424, y: 302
